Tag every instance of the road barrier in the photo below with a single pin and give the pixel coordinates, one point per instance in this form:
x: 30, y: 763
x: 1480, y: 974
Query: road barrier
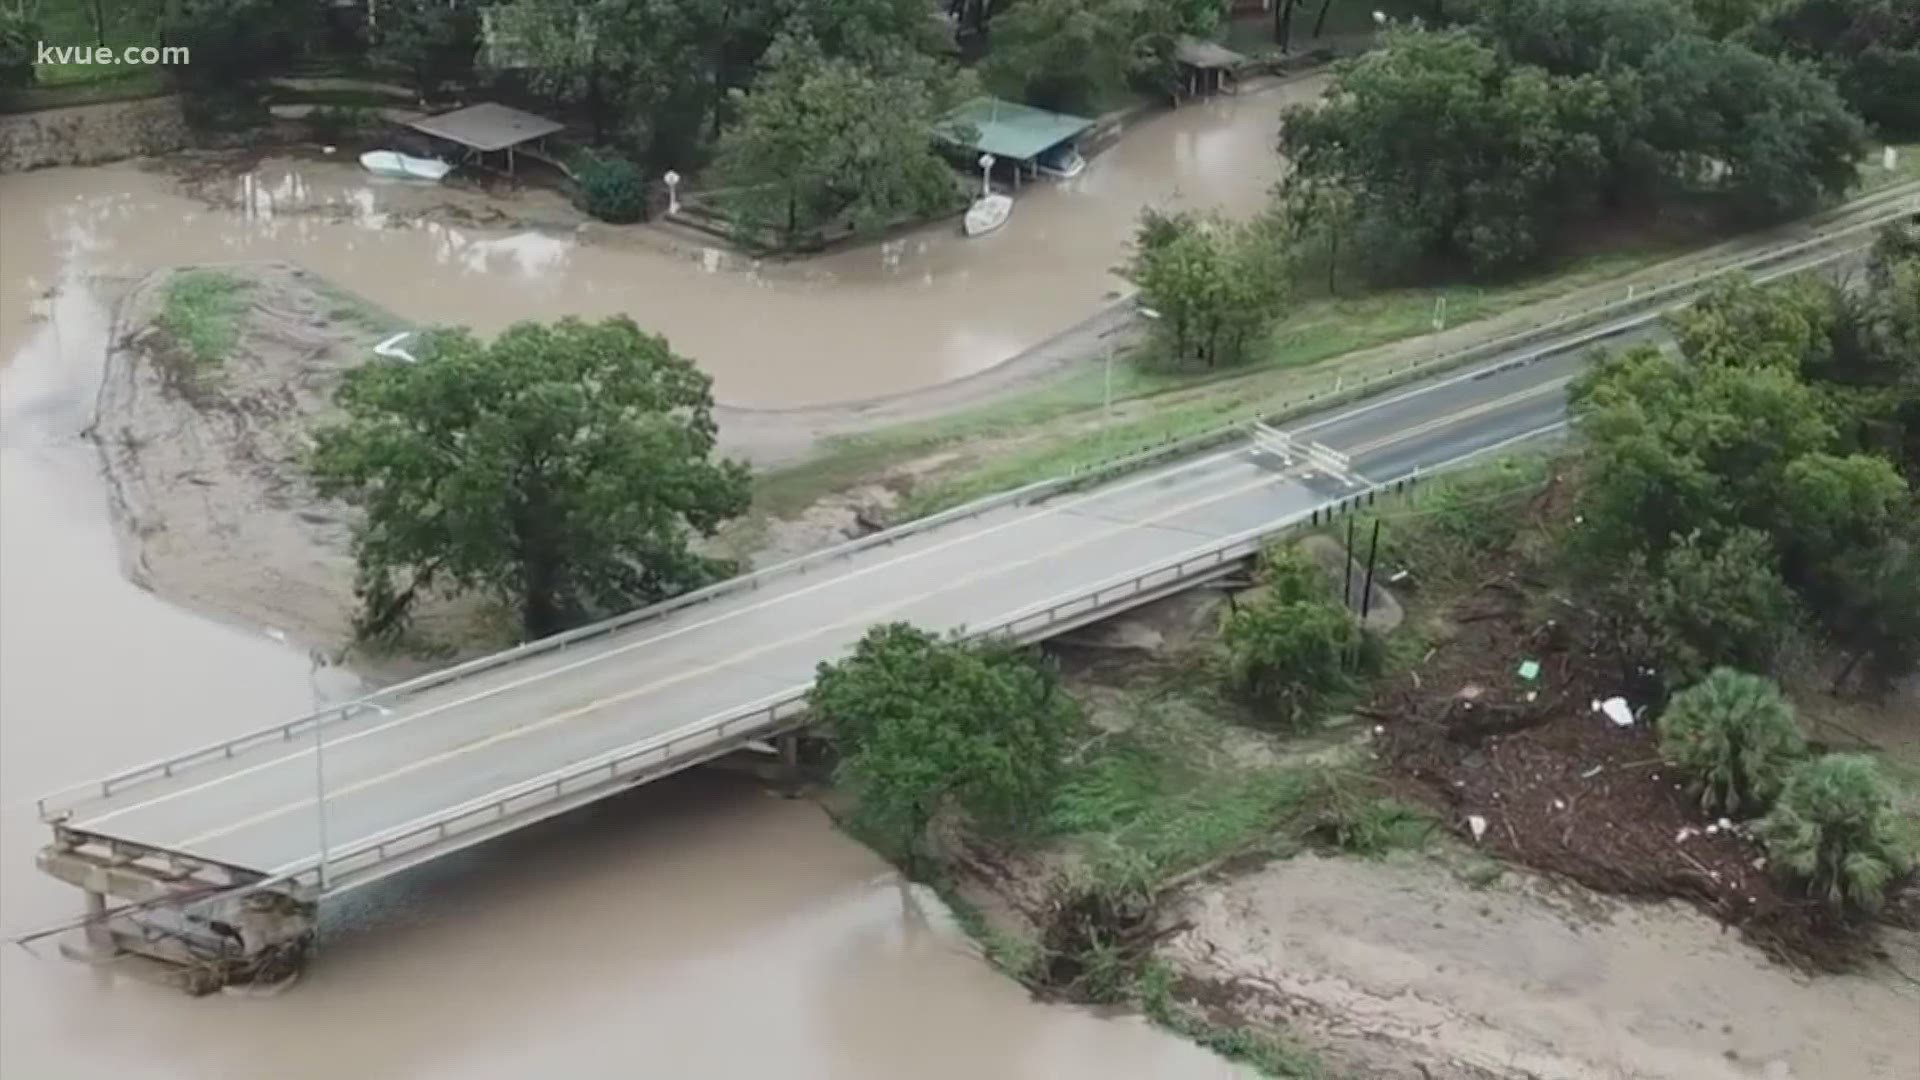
x: 1604, y: 320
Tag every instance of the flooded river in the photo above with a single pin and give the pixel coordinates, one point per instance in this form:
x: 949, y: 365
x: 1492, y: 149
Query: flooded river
x: 698, y: 928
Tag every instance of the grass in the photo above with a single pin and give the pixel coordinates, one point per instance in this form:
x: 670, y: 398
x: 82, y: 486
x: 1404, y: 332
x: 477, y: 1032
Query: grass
x: 70, y: 22
x: 1906, y: 167
x: 1058, y: 427
x: 202, y: 310
x: 1169, y: 793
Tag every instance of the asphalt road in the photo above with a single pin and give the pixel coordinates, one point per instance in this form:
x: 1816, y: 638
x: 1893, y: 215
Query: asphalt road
x: 472, y: 738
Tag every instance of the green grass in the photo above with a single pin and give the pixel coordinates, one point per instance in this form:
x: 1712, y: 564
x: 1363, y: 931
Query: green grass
x: 339, y: 98
x: 1057, y: 428
x: 202, y: 310
x: 70, y: 22
x: 1906, y: 167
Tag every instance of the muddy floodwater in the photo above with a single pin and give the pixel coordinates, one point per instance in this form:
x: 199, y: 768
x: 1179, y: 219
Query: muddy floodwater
x: 698, y: 928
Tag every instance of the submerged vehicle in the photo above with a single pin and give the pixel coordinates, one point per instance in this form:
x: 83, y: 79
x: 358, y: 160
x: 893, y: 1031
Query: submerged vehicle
x: 1063, y: 161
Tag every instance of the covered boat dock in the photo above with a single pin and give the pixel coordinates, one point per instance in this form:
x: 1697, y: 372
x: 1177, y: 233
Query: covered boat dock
x: 1207, y: 68
x: 491, y: 128
x: 1013, y: 133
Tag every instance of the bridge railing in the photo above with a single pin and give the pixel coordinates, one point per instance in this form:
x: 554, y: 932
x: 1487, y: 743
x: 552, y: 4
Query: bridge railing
x: 1650, y: 303
x: 363, y: 861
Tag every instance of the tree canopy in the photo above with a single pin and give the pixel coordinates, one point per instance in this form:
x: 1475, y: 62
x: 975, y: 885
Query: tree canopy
x: 559, y: 467
x: 1214, y: 285
x: 924, y: 722
x: 1480, y: 146
x: 824, y: 142
x: 1760, y: 461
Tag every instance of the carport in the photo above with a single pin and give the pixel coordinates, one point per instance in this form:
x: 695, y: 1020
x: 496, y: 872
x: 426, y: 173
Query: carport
x: 490, y: 128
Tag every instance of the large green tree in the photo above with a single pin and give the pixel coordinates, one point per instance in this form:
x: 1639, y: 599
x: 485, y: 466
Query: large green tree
x: 562, y: 468
x: 1870, y: 48
x: 1213, y: 284
x: 924, y: 723
x: 823, y: 143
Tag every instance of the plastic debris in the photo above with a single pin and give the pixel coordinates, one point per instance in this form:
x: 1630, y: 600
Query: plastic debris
x: 1686, y: 832
x: 1712, y: 830
x: 1530, y: 670
x: 1593, y: 772
x: 1559, y: 804
x: 1478, y: 826
x: 1617, y: 711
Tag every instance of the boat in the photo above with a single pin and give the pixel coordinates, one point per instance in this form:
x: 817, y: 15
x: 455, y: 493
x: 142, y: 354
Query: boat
x: 1062, y: 161
x: 988, y: 213
x: 399, y: 166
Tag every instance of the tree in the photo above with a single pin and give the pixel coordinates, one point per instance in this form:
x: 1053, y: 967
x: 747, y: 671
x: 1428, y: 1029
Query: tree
x: 1772, y: 137
x: 560, y: 467
x: 1870, y: 48
x: 1836, y: 829
x: 433, y: 40
x: 923, y: 723
x: 1215, y: 284
x: 1579, y: 37
x: 234, y: 43
x: 1410, y: 130
x: 1717, y: 603
x: 1067, y: 55
x: 1735, y: 736
x: 823, y: 143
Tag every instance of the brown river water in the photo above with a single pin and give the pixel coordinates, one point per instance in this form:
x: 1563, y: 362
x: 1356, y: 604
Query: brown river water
x: 698, y: 928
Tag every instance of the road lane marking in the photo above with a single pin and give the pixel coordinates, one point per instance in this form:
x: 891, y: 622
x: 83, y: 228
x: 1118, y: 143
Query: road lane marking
x: 867, y: 617
x: 1451, y: 419
x: 527, y: 680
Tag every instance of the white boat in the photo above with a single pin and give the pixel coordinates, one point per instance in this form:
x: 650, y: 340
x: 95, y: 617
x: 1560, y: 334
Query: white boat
x: 1062, y: 161
x: 988, y: 213
x: 401, y: 167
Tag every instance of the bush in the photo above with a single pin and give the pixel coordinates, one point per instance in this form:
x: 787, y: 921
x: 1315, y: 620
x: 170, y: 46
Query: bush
x: 216, y: 109
x: 1835, y: 829
x: 611, y: 189
x: 1736, y: 736
x: 1285, y: 654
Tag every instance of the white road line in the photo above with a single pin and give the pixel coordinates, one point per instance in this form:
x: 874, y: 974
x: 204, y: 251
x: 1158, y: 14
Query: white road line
x: 896, y: 560
x: 865, y: 617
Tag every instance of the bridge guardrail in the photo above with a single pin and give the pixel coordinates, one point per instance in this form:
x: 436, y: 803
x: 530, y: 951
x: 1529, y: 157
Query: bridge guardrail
x: 363, y: 861
x: 59, y: 804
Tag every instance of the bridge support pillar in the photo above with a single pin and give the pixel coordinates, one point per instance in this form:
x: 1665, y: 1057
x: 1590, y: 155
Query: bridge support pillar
x: 789, y: 744
x: 99, y: 935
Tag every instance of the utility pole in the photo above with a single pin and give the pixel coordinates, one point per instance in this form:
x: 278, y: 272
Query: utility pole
x: 316, y: 661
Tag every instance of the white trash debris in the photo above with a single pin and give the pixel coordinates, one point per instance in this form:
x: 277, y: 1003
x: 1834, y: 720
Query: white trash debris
x: 1617, y: 711
x: 1559, y: 804
x: 1593, y: 772
x: 1478, y: 825
x: 1685, y: 832
x: 1712, y: 830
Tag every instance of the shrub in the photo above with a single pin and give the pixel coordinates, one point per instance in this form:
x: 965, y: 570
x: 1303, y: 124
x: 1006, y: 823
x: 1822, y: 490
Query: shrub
x: 1835, y: 828
x: 611, y: 189
x: 1735, y: 735
x: 1285, y: 654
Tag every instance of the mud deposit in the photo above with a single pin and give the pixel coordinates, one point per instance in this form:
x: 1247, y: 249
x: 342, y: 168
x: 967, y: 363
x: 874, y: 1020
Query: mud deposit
x: 1405, y: 971
x: 204, y: 459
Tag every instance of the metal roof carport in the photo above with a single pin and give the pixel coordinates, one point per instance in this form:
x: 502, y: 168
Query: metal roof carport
x: 487, y: 128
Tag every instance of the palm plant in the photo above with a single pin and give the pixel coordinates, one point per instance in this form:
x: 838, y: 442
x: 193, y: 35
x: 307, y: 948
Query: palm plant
x: 1835, y: 828
x: 1736, y: 736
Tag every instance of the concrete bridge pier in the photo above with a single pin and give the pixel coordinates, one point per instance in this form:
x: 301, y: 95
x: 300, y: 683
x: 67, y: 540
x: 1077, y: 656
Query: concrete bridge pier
x: 180, y: 922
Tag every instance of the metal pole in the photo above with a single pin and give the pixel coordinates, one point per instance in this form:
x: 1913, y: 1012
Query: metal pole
x: 1366, y: 590
x: 319, y: 661
x: 1106, y: 407
x: 1346, y: 589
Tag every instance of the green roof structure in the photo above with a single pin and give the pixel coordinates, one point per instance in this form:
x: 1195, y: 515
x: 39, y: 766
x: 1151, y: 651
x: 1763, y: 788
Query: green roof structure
x: 1007, y: 130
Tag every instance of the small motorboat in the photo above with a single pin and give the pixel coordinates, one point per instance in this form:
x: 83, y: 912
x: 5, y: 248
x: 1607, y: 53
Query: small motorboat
x: 399, y: 166
x: 988, y: 213
x: 1063, y: 161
